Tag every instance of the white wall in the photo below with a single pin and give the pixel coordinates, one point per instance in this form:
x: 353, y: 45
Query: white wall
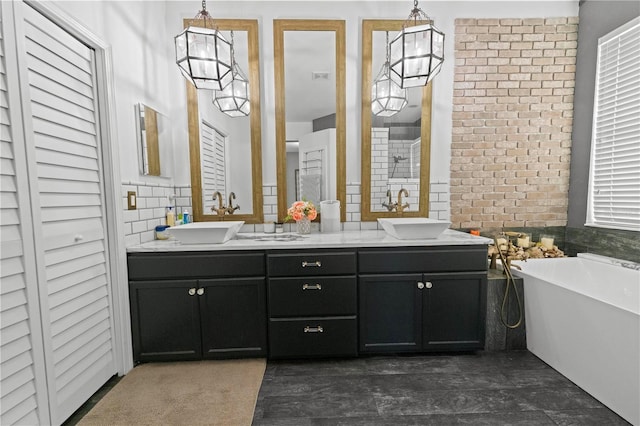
x: 141, y: 34
x: 141, y: 55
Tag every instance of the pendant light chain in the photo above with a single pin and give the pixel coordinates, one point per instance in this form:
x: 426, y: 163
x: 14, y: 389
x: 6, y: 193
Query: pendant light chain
x: 388, y: 48
x: 233, y: 53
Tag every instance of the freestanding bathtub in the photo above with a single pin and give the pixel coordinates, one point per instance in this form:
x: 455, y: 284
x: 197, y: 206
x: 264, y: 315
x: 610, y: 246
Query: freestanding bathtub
x: 583, y: 319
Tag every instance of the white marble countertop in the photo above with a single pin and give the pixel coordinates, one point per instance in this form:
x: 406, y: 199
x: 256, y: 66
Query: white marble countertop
x: 291, y: 240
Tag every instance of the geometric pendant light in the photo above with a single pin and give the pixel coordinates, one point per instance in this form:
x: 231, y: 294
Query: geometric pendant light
x: 387, y: 97
x: 417, y: 52
x: 203, y: 55
x: 233, y: 99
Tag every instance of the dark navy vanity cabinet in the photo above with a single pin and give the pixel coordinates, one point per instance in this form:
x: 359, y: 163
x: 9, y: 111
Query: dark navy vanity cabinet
x: 307, y: 302
x: 312, y: 303
x: 422, y: 299
x: 195, y: 305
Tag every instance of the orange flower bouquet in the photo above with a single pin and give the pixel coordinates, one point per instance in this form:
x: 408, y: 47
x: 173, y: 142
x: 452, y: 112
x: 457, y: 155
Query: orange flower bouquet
x: 300, y: 210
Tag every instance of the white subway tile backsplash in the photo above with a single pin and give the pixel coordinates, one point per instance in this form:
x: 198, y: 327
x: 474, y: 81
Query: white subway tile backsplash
x: 351, y: 226
x: 147, y: 236
x: 131, y: 215
x: 353, y: 189
x: 141, y: 203
x: 183, y: 201
x: 140, y: 224
x: 139, y: 227
x: 369, y: 225
x: 157, y: 191
x: 155, y: 202
x: 437, y: 206
x: 145, y: 191
x: 132, y: 240
x: 145, y: 214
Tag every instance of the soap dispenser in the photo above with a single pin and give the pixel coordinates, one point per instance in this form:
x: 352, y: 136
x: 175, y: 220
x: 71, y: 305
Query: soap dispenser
x: 171, y: 217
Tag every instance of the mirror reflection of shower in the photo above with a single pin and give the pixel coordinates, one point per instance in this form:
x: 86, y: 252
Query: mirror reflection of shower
x: 396, y: 160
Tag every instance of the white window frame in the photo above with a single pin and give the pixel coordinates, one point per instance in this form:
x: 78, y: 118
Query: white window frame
x: 614, y: 196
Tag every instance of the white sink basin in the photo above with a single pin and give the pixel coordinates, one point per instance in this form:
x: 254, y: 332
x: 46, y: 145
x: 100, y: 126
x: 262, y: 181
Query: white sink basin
x: 413, y: 228
x: 206, y: 232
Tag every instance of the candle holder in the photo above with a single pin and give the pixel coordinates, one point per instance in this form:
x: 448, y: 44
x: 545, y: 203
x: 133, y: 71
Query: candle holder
x: 523, y: 240
x: 547, y: 241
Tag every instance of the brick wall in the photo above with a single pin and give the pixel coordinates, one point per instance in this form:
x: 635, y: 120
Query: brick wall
x: 512, y: 117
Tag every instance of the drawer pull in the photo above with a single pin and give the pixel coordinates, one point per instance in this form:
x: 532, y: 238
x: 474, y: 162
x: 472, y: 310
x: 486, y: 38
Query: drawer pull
x: 192, y: 291
x: 317, y: 329
x: 315, y: 264
x: 312, y: 286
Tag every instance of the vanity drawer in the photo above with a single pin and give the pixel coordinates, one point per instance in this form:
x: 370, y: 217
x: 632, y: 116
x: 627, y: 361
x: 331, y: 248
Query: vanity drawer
x: 314, y: 296
x: 311, y: 263
x: 335, y: 336
x: 195, y: 265
x: 441, y: 259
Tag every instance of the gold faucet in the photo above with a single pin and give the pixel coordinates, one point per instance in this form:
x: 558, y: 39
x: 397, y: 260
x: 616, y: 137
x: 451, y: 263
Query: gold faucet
x: 230, y: 209
x: 401, y: 207
x: 221, y: 210
x: 389, y: 205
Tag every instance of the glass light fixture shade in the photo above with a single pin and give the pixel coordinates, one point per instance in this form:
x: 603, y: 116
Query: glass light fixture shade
x: 204, y: 57
x: 387, y: 97
x: 417, y: 54
x: 233, y: 99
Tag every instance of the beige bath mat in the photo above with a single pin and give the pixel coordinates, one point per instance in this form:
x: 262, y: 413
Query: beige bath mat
x: 183, y: 393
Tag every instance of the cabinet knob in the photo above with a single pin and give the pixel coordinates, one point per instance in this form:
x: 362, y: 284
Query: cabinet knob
x: 312, y: 286
x: 315, y: 264
x: 200, y: 291
x: 317, y: 329
x: 428, y: 284
x: 420, y: 285
x: 192, y: 291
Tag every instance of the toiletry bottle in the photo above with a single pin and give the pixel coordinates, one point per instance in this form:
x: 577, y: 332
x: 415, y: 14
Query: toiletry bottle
x: 185, y: 217
x: 171, y: 217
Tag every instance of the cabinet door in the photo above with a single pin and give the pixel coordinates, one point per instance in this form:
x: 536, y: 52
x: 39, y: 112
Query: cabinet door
x: 165, y: 320
x: 454, y: 309
x: 390, y: 313
x: 234, y: 318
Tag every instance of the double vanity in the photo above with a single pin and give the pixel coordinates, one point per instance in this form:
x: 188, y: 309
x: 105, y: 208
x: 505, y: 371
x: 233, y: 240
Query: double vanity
x: 318, y: 295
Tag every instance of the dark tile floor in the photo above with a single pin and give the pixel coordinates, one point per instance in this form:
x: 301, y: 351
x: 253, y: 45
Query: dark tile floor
x: 486, y: 388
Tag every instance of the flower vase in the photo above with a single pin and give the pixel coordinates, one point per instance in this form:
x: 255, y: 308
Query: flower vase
x: 304, y: 225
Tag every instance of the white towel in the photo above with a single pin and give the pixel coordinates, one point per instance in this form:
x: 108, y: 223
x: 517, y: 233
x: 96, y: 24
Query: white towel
x: 311, y: 187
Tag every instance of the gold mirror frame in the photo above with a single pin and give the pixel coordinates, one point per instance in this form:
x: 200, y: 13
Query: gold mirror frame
x: 368, y: 27
x: 279, y: 27
x: 256, y: 216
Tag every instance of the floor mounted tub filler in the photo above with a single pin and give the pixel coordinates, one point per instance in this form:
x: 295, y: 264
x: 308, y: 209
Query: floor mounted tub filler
x: 583, y: 319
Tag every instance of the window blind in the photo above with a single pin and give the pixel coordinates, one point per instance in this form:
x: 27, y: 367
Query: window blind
x: 614, y: 186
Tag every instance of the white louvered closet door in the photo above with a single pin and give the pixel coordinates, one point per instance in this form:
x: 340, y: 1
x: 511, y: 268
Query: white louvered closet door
x: 63, y: 155
x: 23, y: 384
x: 214, y: 172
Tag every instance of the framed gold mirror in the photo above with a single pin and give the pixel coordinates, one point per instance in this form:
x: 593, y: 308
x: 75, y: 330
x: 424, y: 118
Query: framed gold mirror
x: 309, y: 62
x: 155, y: 155
x: 395, y: 150
x: 226, y: 152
